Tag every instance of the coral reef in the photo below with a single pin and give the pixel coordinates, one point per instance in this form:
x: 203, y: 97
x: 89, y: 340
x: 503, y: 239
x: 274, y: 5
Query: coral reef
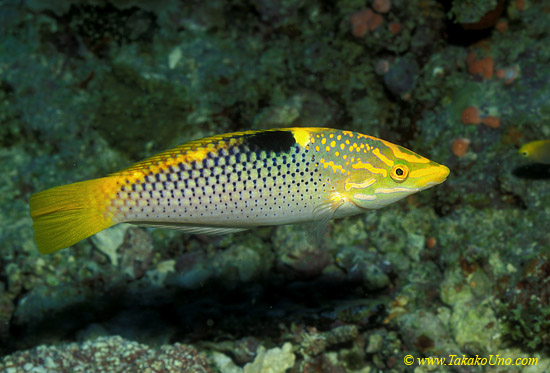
x: 88, y: 87
x: 107, y: 354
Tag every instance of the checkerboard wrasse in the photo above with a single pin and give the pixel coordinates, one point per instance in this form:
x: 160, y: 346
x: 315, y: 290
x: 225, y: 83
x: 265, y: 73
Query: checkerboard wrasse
x: 233, y: 182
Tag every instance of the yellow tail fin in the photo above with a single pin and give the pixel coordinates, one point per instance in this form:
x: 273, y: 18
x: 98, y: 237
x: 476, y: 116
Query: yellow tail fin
x: 67, y: 214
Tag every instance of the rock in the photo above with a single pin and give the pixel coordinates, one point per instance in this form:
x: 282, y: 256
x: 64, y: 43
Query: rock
x: 275, y: 360
x: 107, y: 354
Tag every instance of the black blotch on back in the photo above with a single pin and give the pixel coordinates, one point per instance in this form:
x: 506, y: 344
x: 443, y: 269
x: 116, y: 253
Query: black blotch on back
x: 271, y: 141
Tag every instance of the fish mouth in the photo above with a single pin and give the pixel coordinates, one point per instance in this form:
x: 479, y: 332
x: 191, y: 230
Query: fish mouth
x: 437, y: 177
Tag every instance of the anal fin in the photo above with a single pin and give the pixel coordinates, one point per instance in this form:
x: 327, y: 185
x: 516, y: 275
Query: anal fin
x: 191, y: 229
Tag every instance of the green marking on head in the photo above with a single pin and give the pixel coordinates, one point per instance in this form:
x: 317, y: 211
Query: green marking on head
x: 390, y: 173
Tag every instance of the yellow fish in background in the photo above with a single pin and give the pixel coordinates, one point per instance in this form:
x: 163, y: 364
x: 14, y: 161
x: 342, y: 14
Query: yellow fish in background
x: 233, y: 182
x: 536, y: 151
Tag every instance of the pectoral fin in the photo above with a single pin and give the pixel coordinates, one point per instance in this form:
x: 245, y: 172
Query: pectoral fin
x: 323, y: 213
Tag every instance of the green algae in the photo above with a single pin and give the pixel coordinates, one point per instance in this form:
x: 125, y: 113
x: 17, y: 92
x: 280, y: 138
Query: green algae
x: 524, y: 309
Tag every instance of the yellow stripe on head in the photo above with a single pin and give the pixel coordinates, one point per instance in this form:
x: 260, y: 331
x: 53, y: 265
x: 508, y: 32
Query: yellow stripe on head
x: 371, y: 168
x: 349, y: 185
x: 405, y: 154
x: 383, y: 158
x: 421, y: 172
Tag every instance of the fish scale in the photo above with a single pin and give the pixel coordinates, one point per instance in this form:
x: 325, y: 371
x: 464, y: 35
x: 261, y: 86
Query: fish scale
x: 243, y: 186
x: 237, y: 181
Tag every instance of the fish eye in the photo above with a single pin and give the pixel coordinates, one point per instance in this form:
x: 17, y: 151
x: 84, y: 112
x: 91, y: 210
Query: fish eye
x: 524, y: 153
x: 399, y: 173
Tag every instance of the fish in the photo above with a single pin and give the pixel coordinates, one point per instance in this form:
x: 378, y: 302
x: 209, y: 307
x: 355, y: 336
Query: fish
x: 536, y: 151
x: 237, y: 181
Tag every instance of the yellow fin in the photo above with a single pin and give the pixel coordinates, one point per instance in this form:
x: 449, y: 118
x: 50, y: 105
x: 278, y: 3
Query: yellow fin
x: 67, y: 214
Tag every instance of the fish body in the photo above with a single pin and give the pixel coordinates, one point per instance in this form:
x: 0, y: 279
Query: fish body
x: 536, y: 151
x: 237, y: 181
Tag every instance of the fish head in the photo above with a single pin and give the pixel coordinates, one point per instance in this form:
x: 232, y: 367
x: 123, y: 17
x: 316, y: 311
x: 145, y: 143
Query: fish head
x: 389, y: 173
x: 536, y: 151
x: 527, y: 150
